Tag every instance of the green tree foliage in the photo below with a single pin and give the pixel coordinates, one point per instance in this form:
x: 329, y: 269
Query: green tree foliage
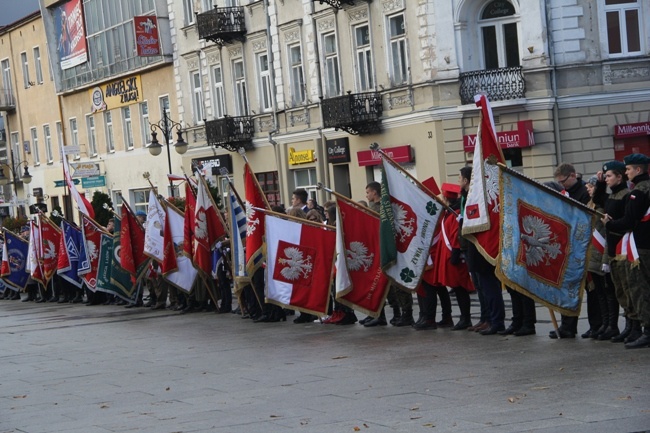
x: 101, y: 215
x: 14, y: 224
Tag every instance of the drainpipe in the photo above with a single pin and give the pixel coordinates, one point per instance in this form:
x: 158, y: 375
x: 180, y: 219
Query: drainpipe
x: 556, y: 111
x: 319, y: 79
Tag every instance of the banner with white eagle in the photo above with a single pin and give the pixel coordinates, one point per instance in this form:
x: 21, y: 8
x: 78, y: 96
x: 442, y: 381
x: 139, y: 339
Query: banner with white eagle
x: 299, y: 264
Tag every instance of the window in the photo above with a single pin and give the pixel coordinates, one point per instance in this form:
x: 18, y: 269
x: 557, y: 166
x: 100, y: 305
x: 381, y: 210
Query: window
x: 219, y: 99
x: 163, y: 102
x: 59, y: 135
x: 128, y: 127
x: 140, y: 199
x: 331, y: 60
x: 398, y: 54
x: 297, y: 76
x: 306, y: 178
x: 206, y: 5
x: 623, y: 20
x: 6, y: 76
x: 23, y: 61
x: 188, y: 8
x: 270, y: 186
x: 241, y: 93
x: 37, y: 65
x: 365, y: 75
x: 110, y: 139
x: 144, y: 123
x: 92, y: 134
x: 499, y: 32
x: 74, y: 134
x: 197, y: 98
x: 15, y: 149
x: 37, y: 158
x: 48, y: 144
x: 264, y: 82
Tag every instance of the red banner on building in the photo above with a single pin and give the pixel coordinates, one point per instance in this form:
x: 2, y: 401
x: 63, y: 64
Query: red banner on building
x: 400, y: 154
x: 71, y: 34
x: 146, y: 35
x: 632, y: 130
x: 522, y: 137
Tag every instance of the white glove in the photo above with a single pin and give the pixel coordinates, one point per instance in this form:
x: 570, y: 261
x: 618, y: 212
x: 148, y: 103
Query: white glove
x: 605, y: 268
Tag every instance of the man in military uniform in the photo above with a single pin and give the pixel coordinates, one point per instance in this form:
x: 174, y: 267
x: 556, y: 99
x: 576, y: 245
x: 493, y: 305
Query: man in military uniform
x: 636, y: 222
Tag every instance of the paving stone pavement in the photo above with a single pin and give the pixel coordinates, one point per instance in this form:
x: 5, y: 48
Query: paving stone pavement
x: 77, y: 369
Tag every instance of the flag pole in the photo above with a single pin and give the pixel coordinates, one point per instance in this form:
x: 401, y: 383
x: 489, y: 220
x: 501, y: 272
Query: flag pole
x: 348, y: 200
x: 111, y: 210
x: 295, y: 219
x: 554, y: 321
x: 242, y: 152
x: 147, y: 176
x: 375, y: 146
x: 224, y: 173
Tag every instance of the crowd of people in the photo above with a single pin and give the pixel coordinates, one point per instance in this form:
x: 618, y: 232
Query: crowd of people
x: 618, y: 272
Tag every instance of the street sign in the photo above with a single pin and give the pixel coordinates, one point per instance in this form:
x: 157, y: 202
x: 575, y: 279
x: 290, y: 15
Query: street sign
x: 85, y: 169
x: 61, y: 183
x: 93, y: 182
x: 71, y: 150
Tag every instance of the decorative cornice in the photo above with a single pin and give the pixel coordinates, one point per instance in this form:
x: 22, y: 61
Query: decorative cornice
x: 292, y: 36
x: 235, y: 51
x: 259, y: 45
x: 326, y: 25
x: 393, y: 5
x: 360, y: 14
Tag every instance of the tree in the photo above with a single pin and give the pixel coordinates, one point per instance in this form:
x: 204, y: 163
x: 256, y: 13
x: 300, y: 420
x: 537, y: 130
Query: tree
x: 101, y: 215
x: 14, y: 224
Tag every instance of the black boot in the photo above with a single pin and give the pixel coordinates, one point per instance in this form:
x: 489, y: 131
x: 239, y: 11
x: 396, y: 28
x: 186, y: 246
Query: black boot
x: 397, y: 314
x: 406, y: 319
x: 379, y: 321
x: 463, y: 323
x: 624, y: 333
x: 642, y: 341
x: 636, y: 332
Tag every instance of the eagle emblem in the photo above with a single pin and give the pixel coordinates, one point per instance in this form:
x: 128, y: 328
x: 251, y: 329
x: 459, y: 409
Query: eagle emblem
x: 49, y: 252
x: 201, y: 228
x: 405, y: 223
x: 92, y: 250
x: 358, y: 258
x: 251, y: 220
x: 294, y: 264
x: 539, y: 241
x: 491, y: 171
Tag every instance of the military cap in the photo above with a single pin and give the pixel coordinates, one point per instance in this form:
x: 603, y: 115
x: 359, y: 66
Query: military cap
x: 617, y: 166
x: 636, y: 159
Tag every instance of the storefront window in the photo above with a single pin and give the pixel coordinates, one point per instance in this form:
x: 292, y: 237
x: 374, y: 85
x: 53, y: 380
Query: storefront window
x: 270, y: 186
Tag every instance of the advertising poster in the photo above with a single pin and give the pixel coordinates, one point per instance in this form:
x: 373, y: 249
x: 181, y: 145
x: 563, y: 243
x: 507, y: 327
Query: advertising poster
x: 146, y: 36
x: 71, y: 34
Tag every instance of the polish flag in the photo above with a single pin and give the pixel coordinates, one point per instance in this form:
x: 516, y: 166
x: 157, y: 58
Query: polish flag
x: 598, y: 241
x: 82, y: 203
x: 176, y: 267
x: 208, y: 228
x: 255, y: 198
x: 299, y: 264
x: 5, y: 269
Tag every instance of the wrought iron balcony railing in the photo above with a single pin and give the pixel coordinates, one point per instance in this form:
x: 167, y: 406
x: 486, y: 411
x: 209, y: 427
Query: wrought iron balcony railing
x: 499, y: 84
x: 355, y: 113
x: 338, y: 4
x: 7, y: 100
x: 222, y: 25
x: 231, y: 133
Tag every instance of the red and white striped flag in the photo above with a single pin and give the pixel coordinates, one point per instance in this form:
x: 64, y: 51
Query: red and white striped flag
x: 208, y: 228
x: 598, y: 241
x: 82, y: 203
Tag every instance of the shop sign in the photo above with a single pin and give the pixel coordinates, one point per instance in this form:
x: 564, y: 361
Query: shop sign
x: 300, y: 156
x: 522, y: 137
x: 61, y: 183
x: 115, y: 94
x: 211, y: 165
x: 400, y: 154
x: 146, y: 35
x: 85, y: 169
x: 93, y: 182
x: 632, y: 130
x: 338, y: 150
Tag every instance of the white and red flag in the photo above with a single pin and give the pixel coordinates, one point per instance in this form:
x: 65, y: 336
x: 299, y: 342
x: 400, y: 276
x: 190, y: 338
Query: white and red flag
x: 176, y: 266
x: 82, y: 203
x: 360, y: 282
x: 50, y: 239
x: 33, y: 265
x: 153, y: 234
x: 299, y: 264
x: 598, y: 241
x: 92, y: 236
x: 188, y: 228
x: 255, y: 229
x: 209, y: 228
x: 481, y: 215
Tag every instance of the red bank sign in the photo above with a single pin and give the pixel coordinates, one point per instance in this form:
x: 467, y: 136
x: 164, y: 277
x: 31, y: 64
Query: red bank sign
x: 400, y: 154
x: 632, y: 130
x: 522, y: 137
x: 146, y: 35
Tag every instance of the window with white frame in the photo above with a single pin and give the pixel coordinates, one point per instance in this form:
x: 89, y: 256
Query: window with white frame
x: 37, y: 157
x: 140, y: 199
x: 623, y: 22
x: 188, y: 9
x: 128, y: 127
x: 37, y: 65
x: 48, y: 143
x: 92, y: 133
x: 23, y: 61
x: 6, y: 76
x: 74, y: 132
x: 331, y: 66
x: 163, y: 104
x: 398, y: 55
x: 15, y: 149
x: 365, y: 70
x: 219, y: 102
x: 297, y: 76
x: 206, y: 5
x: 197, y: 98
x: 110, y: 138
x: 306, y: 178
x: 144, y: 123
x: 266, y: 101
x: 59, y: 135
x: 241, y: 92
x: 500, y: 40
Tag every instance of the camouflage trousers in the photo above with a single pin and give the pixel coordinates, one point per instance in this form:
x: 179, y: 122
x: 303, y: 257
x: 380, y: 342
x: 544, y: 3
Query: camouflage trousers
x: 638, y: 278
x: 621, y: 286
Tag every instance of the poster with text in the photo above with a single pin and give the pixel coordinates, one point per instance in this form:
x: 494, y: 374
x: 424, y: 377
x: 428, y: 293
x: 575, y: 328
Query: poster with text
x: 71, y: 34
x: 146, y: 35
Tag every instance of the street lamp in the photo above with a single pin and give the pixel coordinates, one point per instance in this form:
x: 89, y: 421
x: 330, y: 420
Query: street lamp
x: 4, y: 180
x: 166, y: 126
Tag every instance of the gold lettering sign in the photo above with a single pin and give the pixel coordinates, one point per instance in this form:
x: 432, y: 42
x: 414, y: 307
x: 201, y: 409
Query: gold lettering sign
x: 115, y: 94
x: 300, y: 157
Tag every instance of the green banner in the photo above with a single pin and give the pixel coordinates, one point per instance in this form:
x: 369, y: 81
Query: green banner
x: 120, y: 278
x: 105, y: 265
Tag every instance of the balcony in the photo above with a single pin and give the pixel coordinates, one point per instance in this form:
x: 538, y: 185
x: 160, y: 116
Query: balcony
x: 222, y: 25
x: 355, y: 113
x: 230, y: 133
x: 499, y: 84
x: 7, y: 100
x: 337, y: 4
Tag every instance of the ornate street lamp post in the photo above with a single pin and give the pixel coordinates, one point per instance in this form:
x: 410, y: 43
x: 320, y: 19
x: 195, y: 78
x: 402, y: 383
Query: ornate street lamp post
x: 166, y: 126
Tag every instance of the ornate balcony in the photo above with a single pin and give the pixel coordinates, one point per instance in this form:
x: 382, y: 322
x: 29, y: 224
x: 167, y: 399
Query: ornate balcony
x: 7, y: 100
x: 337, y: 4
x: 499, y: 84
x: 231, y: 133
x: 222, y: 25
x: 357, y: 113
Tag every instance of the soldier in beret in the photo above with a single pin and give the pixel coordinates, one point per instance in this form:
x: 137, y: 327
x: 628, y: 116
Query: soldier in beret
x: 636, y: 223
